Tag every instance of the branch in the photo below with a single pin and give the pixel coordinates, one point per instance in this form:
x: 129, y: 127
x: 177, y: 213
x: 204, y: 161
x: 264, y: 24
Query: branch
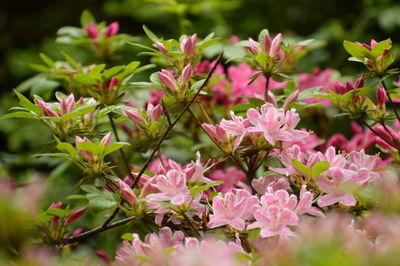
x: 379, y: 135
x: 185, y: 108
x: 390, y: 100
x: 95, y: 231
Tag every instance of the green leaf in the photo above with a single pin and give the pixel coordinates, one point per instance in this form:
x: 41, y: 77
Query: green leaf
x: 86, y: 18
x: 198, y: 189
x: 81, y: 110
x: 93, y: 148
x: 380, y: 47
x: 109, y: 73
x: 70, y: 60
x: 47, y: 60
x: 24, y: 102
x: 18, y: 114
x: 127, y: 236
x: 319, y: 168
x: 58, y: 212
x: 358, y: 51
x: 85, y: 79
x: 150, y: 34
x: 76, y: 197
x: 99, y: 198
x: 299, y: 166
x: 196, y: 86
x: 67, y: 148
x: 114, y: 146
x: 261, y: 58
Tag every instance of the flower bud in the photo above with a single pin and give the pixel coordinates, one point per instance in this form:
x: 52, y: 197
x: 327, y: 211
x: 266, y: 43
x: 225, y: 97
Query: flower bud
x: 92, y: 31
x: 291, y: 99
x: 187, y: 74
x: 188, y: 45
x: 112, y: 29
x: 167, y: 79
x: 135, y: 116
x: 47, y: 110
x: 111, y: 83
x: 106, y: 139
x: 381, y: 96
x: 67, y: 104
x: 275, y: 45
x: 75, y: 215
x: 85, y: 154
x: 267, y: 44
x: 254, y: 46
x: 160, y: 47
x: 127, y: 193
x: 154, y: 112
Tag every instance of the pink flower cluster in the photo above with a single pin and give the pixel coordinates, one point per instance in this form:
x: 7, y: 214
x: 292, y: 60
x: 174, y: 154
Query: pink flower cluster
x: 274, y: 124
x: 168, y: 248
x: 346, y: 172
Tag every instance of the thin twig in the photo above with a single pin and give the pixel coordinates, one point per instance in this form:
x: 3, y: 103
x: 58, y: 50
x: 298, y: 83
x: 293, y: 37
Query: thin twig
x: 390, y: 99
x: 185, y: 108
x: 266, y: 96
x: 379, y: 135
x: 231, y: 156
x: 96, y: 230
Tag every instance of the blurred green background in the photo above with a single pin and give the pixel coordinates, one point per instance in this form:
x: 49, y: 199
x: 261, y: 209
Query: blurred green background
x: 29, y: 27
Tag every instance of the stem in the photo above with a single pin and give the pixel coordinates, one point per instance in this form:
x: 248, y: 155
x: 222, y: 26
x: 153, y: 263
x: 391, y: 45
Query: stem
x: 379, y: 135
x: 95, y: 231
x: 390, y: 100
x: 123, y: 156
x: 185, y: 108
x: 231, y: 156
x: 266, y: 96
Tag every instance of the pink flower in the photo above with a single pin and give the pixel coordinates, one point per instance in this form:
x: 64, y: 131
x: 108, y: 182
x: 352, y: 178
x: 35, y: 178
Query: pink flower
x: 236, y: 127
x: 231, y: 177
x: 112, y: 29
x: 275, y: 124
x: 305, y: 203
x: 334, y: 187
x: 340, y: 88
x: 217, y: 132
x: 271, y: 47
x: 276, y: 214
x: 188, y: 45
x: 92, y: 31
x: 228, y: 210
x: 172, y: 187
x: 254, y: 46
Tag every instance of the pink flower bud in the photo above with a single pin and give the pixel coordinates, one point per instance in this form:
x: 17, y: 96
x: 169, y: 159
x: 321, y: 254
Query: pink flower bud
x: 187, y: 74
x: 135, y: 116
x: 291, y: 99
x: 111, y: 83
x: 67, y: 104
x: 359, y: 82
x: 104, y: 257
x: 188, y: 45
x: 381, y: 96
x: 210, y: 129
x: 47, y: 110
x: 267, y: 44
x: 92, y: 31
x: 127, y: 193
x: 254, y: 47
x: 221, y: 133
x: 167, y: 79
x: 154, y: 112
x: 275, y: 45
x: 160, y: 47
x: 112, y: 29
x: 106, y: 139
x: 55, y: 205
x: 75, y: 215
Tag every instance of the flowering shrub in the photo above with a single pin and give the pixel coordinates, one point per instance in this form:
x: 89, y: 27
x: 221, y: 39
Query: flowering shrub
x: 261, y: 188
